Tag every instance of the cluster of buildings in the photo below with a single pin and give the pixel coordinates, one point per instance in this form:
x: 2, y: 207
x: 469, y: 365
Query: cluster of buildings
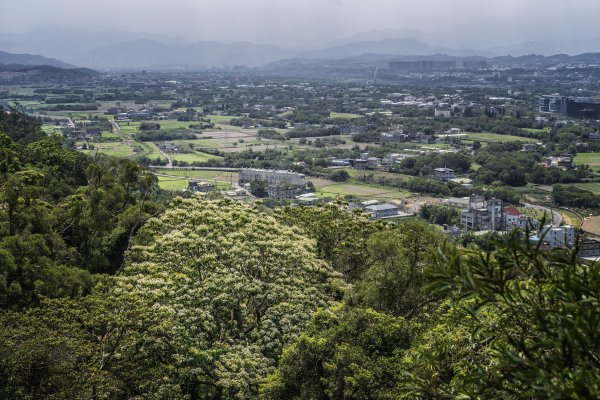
x: 576, y: 107
x: 422, y: 66
x: 281, y: 184
x: 479, y: 214
x: 401, y: 137
x: 564, y: 161
x: 367, y: 162
x: 169, y: 147
x: 129, y: 115
x: 198, y: 186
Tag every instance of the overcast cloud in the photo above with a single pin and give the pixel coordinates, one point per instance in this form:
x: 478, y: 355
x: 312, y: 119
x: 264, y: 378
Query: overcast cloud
x: 308, y: 22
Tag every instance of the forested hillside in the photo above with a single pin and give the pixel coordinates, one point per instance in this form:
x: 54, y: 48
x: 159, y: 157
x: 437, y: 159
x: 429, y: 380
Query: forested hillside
x: 111, y: 289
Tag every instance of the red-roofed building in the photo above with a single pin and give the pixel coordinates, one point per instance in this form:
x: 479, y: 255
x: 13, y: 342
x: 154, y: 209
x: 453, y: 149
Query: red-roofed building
x: 512, y: 211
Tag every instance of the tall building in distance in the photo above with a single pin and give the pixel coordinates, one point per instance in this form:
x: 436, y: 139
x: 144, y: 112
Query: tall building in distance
x: 575, y: 107
x: 553, y: 104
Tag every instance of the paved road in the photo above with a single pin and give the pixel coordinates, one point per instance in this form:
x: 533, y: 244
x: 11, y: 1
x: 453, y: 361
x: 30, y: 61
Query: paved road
x: 556, y: 217
x: 170, y: 163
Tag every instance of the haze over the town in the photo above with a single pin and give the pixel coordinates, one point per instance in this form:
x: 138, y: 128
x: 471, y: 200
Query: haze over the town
x: 313, y: 23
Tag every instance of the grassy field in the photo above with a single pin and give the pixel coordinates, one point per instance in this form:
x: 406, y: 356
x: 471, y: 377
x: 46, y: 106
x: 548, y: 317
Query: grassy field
x: 355, y: 174
x: 361, y: 191
x: 338, y: 115
x: 219, y: 119
x: 168, y: 183
x: 169, y: 125
x: 592, y: 159
x: 149, y: 149
x: 50, y: 129
x: 435, y: 146
x: 570, y: 218
x: 126, y: 149
x: 495, y: 137
x: 534, y: 130
x: 193, y: 157
x: 129, y: 127
x: 113, y: 149
x: 176, y: 180
x: 110, y: 135
x: 219, y: 176
x: 592, y: 187
x: 535, y: 193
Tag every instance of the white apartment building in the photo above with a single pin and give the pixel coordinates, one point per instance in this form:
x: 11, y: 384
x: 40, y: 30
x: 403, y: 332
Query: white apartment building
x: 273, y: 177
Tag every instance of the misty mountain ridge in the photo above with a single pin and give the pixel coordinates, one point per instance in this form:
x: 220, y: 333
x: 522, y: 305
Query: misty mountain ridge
x: 145, y: 53
x: 130, y: 50
x: 399, y: 46
x: 380, y: 34
x: 30, y: 59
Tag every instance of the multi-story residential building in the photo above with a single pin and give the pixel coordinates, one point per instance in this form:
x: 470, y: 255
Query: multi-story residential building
x: 274, y: 177
x: 483, y: 215
x: 589, y: 249
x: 458, y: 202
x: 283, y: 191
x: 382, y: 211
x: 556, y: 236
x: 443, y: 174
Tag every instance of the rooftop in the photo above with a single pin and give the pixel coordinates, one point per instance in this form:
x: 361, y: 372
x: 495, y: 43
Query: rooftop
x: 381, y: 207
x: 512, y: 211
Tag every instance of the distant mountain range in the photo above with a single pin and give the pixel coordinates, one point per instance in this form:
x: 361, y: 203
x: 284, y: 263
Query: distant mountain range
x: 398, y: 46
x: 29, y: 59
x: 133, y: 51
x: 139, y: 54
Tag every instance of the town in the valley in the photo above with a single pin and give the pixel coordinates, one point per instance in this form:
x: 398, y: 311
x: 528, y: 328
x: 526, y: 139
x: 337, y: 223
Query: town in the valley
x: 477, y: 146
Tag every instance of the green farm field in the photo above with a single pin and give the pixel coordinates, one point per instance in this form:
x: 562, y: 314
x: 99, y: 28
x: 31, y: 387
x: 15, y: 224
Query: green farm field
x: 219, y: 176
x: 362, y: 191
x: 592, y: 186
x: 495, y: 137
x: 194, y: 157
x: 591, y: 159
x: 339, y: 115
x: 168, y: 180
x: 168, y: 183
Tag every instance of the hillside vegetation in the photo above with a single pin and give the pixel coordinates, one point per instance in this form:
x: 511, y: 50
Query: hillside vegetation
x: 112, y: 289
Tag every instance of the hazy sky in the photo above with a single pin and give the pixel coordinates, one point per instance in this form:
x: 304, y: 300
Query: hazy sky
x: 304, y: 22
